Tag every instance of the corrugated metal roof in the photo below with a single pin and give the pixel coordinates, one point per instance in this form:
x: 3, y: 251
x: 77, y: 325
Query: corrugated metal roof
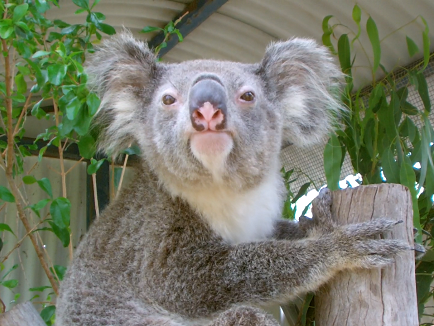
x: 241, y: 29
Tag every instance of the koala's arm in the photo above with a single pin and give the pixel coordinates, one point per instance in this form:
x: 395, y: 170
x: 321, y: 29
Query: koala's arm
x: 204, y: 278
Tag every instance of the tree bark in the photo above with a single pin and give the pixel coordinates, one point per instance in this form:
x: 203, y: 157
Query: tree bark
x: 372, y: 297
x: 23, y: 314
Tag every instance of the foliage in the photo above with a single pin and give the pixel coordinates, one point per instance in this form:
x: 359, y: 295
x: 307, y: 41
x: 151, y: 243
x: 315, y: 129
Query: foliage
x: 386, y: 137
x: 43, y: 65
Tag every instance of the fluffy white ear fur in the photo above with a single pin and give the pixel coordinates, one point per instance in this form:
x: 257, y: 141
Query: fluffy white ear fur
x: 118, y: 72
x: 304, y: 80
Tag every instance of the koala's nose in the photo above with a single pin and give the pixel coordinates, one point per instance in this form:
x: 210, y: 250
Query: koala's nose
x: 207, y: 103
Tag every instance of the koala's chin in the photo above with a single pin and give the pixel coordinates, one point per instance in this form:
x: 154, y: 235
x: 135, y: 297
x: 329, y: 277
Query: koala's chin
x: 212, y: 148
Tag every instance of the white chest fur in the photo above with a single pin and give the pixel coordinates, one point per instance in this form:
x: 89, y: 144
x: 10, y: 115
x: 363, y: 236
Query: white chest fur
x: 239, y: 217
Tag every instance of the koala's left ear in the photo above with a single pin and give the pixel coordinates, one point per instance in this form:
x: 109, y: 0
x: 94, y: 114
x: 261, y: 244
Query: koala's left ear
x: 302, y: 78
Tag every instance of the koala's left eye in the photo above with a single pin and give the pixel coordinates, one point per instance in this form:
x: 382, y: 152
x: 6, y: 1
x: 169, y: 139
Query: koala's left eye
x: 168, y: 100
x: 248, y: 96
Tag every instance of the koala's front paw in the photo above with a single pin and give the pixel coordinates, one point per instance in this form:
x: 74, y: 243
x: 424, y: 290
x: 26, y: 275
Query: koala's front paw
x: 321, y: 211
x: 358, y: 249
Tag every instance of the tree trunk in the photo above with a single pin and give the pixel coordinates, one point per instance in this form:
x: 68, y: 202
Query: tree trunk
x: 372, y: 297
x: 23, y: 314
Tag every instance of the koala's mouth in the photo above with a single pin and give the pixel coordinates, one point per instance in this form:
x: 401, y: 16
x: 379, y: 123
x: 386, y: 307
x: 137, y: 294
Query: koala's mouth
x: 211, y: 143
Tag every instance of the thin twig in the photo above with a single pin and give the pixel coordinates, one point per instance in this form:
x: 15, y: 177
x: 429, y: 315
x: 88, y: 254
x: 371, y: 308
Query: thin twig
x: 95, y: 195
x: 73, y: 167
x: 122, y: 175
x: 23, y: 111
x: 18, y: 244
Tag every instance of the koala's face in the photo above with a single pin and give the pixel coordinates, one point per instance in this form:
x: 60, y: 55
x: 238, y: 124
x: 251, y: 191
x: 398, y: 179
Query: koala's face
x: 201, y: 122
x: 210, y: 121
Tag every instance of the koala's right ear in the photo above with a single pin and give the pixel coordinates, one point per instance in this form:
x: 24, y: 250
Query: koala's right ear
x: 121, y: 71
x: 303, y: 79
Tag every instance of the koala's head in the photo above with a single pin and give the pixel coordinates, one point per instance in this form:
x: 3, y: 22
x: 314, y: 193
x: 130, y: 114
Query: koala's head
x: 201, y: 122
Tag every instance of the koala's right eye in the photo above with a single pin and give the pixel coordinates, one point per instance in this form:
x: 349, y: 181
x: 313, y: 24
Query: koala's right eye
x: 168, y: 100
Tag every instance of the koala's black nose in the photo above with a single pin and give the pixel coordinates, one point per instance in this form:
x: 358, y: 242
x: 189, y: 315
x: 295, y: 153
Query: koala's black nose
x: 207, y: 102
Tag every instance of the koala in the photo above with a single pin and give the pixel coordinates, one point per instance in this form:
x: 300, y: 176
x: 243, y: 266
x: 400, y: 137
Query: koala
x: 197, y: 238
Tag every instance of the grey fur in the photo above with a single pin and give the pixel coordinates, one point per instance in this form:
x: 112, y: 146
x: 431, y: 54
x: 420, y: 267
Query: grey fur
x: 178, y: 247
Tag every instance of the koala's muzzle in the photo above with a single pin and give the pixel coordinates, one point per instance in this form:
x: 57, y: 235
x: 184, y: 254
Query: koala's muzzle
x: 207, y: 102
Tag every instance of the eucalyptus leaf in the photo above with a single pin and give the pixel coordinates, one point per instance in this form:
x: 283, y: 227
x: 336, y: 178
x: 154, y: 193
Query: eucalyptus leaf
x: 344, y: 54
x: 412, y: 47
x: 332, y: 162
x: 371, y: 28
x: 422, y: 88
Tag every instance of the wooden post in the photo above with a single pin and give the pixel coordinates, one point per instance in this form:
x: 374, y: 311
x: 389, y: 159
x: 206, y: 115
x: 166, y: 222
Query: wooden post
x: 23, y: 314
x: 377, y: 297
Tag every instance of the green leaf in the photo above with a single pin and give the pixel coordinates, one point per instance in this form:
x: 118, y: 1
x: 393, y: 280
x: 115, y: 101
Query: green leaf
x: 390, y: 166
x: 40, y: 54
x: 422, y: 88
x: 376, y: 98
x: 105, y: 28
x: 6, y: 195
x: 29, y: 179
x: 372, y: 30
x: 412, y: 47
x: 37, y: 111
x: 82, y: 3
x: 38, y: 206
x: 40, y: 288
x: 86, y: 146
x: 180, y: 37
x: 73, y: 108
x: 94, y: 166
x: 408, y: 179
x: 150, y: 29
x: 426, y: 43
x: 5, y: 227
x: 409, y: 108
x: 56, y: 73
x: 19, y: 12
x: 41, y: 6
x: 301, y: 192
x: 60, y: 271
x: 62, y: 233
x: 333, y: 162
x: 93, y: 103
x: 21, y: 84
x: 60, y: 211
x: 79, y: 11
x: 344, y: 54
x: 357, y: 16
x: 327, y: 32
x: 95, y: 3
x: 47, y: 313
x: 6, y: 31
x: 9, y: 271
x: 45, y: 185
x: 408, y: 129
x: 10, y: 283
